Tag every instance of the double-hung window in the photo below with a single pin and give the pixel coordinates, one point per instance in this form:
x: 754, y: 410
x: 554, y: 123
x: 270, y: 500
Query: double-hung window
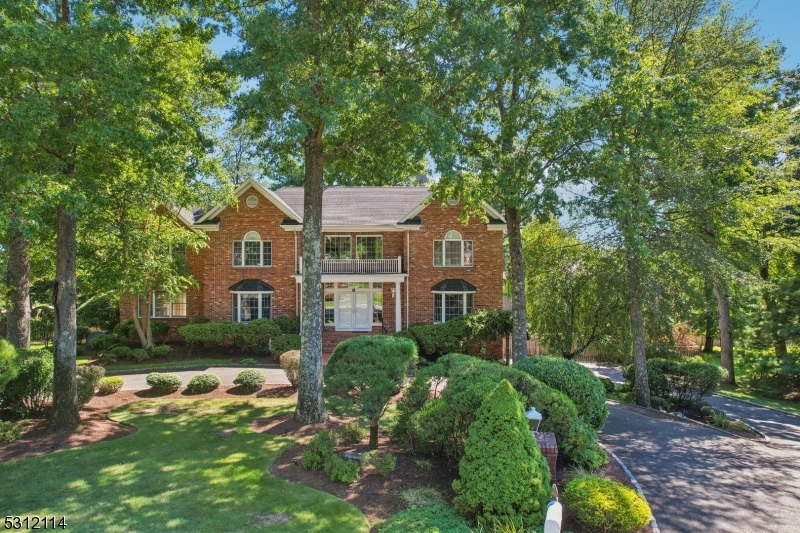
x: 166, y: 305
x: 252, y: 251
x: 452, y: 251
x: 447, y: 306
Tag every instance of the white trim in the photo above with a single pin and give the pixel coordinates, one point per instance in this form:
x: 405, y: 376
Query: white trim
x: 238, y: 307
x: 496, y: 227
x: 260, y: 253
x: 462, y: 241
x: 355, y: 278
x: 355, y: 248
x: 454, y: 292
x: 269, y: 195
x: 428, y: 201
x: 326, y: 237
x: 206, y: 227
x: 494, y: 212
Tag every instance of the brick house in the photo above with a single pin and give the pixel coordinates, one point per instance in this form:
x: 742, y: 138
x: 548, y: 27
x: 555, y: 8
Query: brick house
x: 390, y: 259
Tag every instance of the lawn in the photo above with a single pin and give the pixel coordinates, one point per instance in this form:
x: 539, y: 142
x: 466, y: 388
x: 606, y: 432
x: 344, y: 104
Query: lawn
x: 148, y: 364
x: 175, y: 474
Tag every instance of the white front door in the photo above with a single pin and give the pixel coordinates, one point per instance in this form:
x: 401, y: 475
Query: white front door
x: 353, y: 312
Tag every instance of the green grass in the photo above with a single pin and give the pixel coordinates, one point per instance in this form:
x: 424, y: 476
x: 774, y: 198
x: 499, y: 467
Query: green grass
x: 741, y: 393
x: 149, y: 364
x: 175, y: 474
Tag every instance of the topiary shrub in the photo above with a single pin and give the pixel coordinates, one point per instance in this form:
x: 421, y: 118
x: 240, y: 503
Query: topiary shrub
x: 103, y: 342
x: 284, y: 343
x: 289, y: 325
x: 210, y: 333
x: 202, y: 383
x: 120, y: 352
x: 140, y: 354
x: 575, y: 380
x: 351, y: 433
x: 503, y: 475
x: 339, y: 469
x: 435, y: 340
x: 438, y: 518
x: 33, y: 384
x: 383, y: 462
x: 161, y: 351
x: 10, y: 431
x: 88, y: 377
x: 319, y: 449
x: 257, y: 334
x: 163, y: 382
x: 110, y: 385
x: 365, y: 372
x: 9, y: 365
x: 290, y: 363
x: 605, y: 506
x: 250, y: 380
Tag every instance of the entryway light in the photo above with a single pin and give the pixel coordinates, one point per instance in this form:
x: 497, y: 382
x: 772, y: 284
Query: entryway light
x: 534, y: 418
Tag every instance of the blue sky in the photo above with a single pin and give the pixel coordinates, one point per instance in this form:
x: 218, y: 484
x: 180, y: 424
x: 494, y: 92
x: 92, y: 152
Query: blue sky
x: 777, y: 20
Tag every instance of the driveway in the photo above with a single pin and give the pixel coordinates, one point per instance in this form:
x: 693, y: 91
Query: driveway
x: 275, y: 376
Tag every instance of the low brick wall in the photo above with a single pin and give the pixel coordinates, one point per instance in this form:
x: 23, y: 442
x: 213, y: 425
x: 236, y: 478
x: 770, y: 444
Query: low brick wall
x: 548, y: 447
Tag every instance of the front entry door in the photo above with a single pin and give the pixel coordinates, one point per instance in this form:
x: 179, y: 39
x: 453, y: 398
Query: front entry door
x: 353, y: 311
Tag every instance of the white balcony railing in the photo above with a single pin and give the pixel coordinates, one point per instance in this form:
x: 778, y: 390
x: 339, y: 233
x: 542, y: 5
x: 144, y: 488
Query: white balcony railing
x: 359, y: 266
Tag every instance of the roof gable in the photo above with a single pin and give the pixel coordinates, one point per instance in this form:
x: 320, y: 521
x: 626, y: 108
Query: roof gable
x: 268, y: 194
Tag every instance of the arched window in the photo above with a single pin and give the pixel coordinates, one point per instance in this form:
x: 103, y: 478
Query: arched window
x: 252, y: 251
x: 452, y: 251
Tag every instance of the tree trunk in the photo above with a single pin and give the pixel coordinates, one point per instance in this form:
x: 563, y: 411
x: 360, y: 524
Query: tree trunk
x: 725, y: 330
x: 519, y: 311
x: 65, y: 415
x: 373, y: 433
x: 310, y: 408
x: 708, y: 345
x: 642, y: 384
x: 143, y: 329
x: 18, y: 279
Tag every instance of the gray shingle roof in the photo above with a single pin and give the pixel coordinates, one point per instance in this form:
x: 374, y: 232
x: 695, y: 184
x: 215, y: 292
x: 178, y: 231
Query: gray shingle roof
x: 360, y: 206
x: 454, y: 285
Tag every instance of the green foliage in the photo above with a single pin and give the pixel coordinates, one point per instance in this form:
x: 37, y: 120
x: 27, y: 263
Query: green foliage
x: 503, y: 475
x: 127, y: 330
x: 367, y: 371
x: 33, y: 385
x: 683, y: 382
x: 9, y: 431
x: 42, y: 328
x: 320, y: 448
x: 110, y: 385
x: 9, y: 366
x: 339, y: 469
x: 608, y: 385
x: 422, y: 496
x: 120, y: 352
x: 103, y: 342
x: 383, y: 462
x: 437, y: 518
x: 163, y: 382
x: 248, y: 361
x: 101, y: 311
x: 489, y: 326
x: 81, y: 334
x: 435, y: 340
x: 88, y: 377
x: 351, y: 433
x: 161, y: 351
x: 210, y: 333
x: 140, y: 354
x: 289, y: 325
x: 250, y: 380
x: 414, y: 397
x: 257, y: 334
x: 202, y: 383
x: 662, y: 351
x: 283, y: 343
x: 605, y: 506
x: 576, y: 381
x: 290, y: 363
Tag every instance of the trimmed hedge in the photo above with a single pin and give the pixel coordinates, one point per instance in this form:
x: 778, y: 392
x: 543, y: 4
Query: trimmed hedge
x: 435, y: 340
x: 33, y: 384
x: 285, y: 343
x: 605, y: 506
x: 290, y: 363
x: 120, y: 352
x: 164, y: 382
x: 9, y: 366
x: 289, y: 325
x: 140, y: 354
x: 257, y: 334
x: 250, y: 380
x: 110, y: 385
x: 161, y: 351
x: 203, y: 383
x: 103, y: 342
x: 682, y: 382
x: 210, y: 333
x: 576, y: 381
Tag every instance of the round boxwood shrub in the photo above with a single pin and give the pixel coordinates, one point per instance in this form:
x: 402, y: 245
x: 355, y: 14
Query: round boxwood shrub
x: 33, y: 385
x: 576, y: 381
x: 203, y: 383
x: 503, y: 475
x: 250, y: 379
x: 121, y: 352
x: 88, y: 377
x: 383, y: 462
x: 283, y: 343
x: 605, y: 506
x: 8, y: 363
x: 162, y: 351
x: 290, y: 363
x: 163, y: 382
x: 140, y: 354
x: 110, y: 385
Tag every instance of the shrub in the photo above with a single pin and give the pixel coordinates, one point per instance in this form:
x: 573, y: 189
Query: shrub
x: 439, y: 339
x: 437, y: 518
x: 351, y: 433
x: 258, y: 333
x: 103, y: 342
x: 289, y: 325
x: 203, y: 383
x: 9, y: 431
x: 575, y: 380
x: 383, y: 462
x: 605, y: 506
x: 366, y: 372
x: 608, y: 385
x: 249, y: 361
x: 140, y: 354
x: 110, y: 385
x: 503, y: 475
x: 339, y: 469
x: 33, y: 384
x: 9, y: 365
x: 290, y: 363
x: 250, y: 380
x: 127, y: 330
x: 283, y: 343
x: 210, y: 333
x: 81, y: 334
x: 319, y: 449
x: 663, y: 351
x: 161, y: 351
x: 88, y: 377
x: 100, y: 311
x: 684, y: 382
x: 163, y: 382
x: 120, y: 352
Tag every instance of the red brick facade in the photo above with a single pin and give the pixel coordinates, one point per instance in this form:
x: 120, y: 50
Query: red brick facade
x: 213, y: 266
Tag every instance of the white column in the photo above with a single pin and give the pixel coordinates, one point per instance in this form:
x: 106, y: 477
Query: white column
x: 398, y: 319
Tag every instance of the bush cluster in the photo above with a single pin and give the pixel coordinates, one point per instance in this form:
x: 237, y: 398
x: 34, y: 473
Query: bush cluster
x: 110, y: 385
x: 88, y: 377
x: 576, y: 381
x: 257, y: 334
x: 127, y: 330
x: 435, y: 340
x: 9, y: 365
x: 140, y: 354
x: 437, y: 518
x: 202, y: 383
x: 120, y: 352
x: 250, y: 380
x: 383, y: 462
x: 9, y: 431
x: 33, y: 384
x: 163, y: 382
x: 104, y: 342
x: 285, y: 343
x: 319, y: 449
x: 161, y: 351
x: 687, y: 382
x: 605, y: 506
x: 351, y: 433
x: 100, y: 311
x: 263, y: 335
x: 210, y: 333
x: 343, y: 470
x: 290, y: 363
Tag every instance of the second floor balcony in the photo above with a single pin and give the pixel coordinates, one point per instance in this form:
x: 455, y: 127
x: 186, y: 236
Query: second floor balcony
x: 359, y: 266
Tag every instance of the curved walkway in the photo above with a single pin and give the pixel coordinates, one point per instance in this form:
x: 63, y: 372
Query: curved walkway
x: 275, y: 376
